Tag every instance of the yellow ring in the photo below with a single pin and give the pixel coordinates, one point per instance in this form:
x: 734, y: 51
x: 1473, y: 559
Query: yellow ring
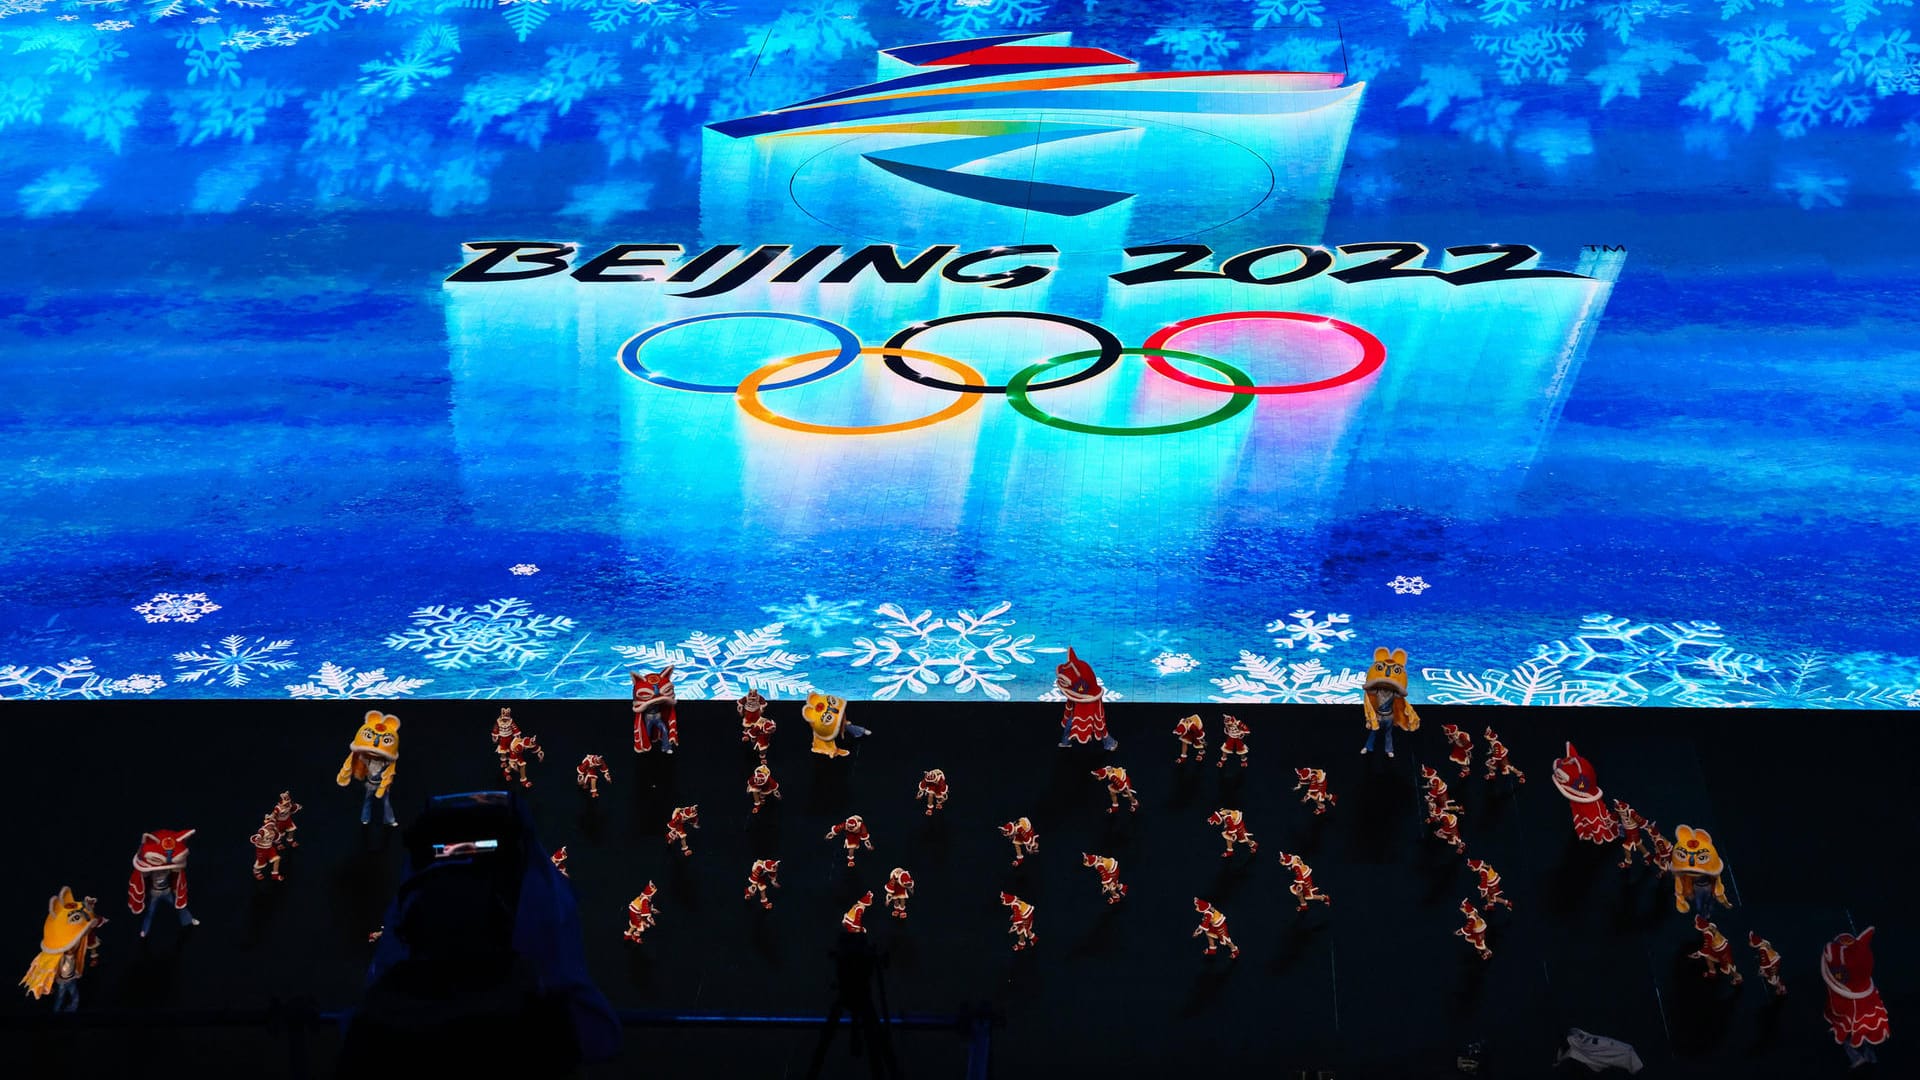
x: 748, y: 394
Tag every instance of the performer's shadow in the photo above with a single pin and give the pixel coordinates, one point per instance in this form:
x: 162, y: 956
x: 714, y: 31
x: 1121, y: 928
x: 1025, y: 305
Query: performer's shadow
x: 268, y: 898
x: 1295, y: 943
x: 1209, y: 986
x: 766, y: 942
x: 1440, y: 868
x: 1226, y: 881
x: 1703, y: 1008
x: 829, y: 790
x: 150, y: 979
x: 1105, y: 937
x: 1471, y: 987
x: 590, y: 822
x: 683, y: 881
x: 1186, y: 787
x: 639, y: 967
x: 763, y: 829
x: 1572, y: 881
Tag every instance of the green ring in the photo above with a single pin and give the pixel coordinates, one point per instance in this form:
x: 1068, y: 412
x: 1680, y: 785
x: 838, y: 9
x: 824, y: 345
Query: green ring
x: 1236, y: 403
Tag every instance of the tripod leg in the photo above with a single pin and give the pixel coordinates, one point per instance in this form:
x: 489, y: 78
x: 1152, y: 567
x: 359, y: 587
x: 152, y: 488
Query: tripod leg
x: 826, y: 1040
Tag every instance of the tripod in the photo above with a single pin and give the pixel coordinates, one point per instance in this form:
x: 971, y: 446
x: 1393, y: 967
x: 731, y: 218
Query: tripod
x: 858, y: 968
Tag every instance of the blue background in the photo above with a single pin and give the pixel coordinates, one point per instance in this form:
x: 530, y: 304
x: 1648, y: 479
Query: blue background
x: 231, y: 369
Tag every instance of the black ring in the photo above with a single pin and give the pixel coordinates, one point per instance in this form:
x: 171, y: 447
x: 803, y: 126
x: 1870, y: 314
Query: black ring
x: 1110, y: 350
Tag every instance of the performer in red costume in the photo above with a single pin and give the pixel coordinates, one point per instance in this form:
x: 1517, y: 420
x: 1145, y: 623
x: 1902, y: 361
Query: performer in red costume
x: 755, y: 728
x: 517, y: 753
x: 1715, y: 949
x: 1438, y: 799
x: 1233, y: 741
x: 1662, y: 857
x: 1489, y: 884
x: 1025, y: 840
x: 1854, y: 1010
x: 762, y: 786
x: 1498, y: 764
x: 853, y: 835
x: 1020, y: 924
x: 763, y: 876
x: 1086, y: 714
x: 1449, y: 831
x: 899, y: 886
x: 1769, y: 958
x: 655, y: 721
x: 283, y: 812
x: 1573, y: 776
x: 855, y: 920
x: 1303, y: 889
x: 591, y: 773
x: 684, y: 820
x: 1233, y: 829
x: 559, y: 860
x: 1213, y: 926
x: 266, y: 850
x: 1118, y: 787
x: 933, y: 788
x: 1475, y: 931
x: 1192, y: 734
x: 1315, y: 781
x: 641, y: 914
x: 1632, y: 833
x: 1459, y: 748
x: 504, y: 729
x: 1108, y: 868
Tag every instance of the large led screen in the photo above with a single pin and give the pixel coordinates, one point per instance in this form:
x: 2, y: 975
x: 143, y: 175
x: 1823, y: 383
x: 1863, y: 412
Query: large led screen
x: 473, y: 349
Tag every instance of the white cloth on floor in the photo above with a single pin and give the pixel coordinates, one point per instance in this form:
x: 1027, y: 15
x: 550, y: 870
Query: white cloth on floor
x: 1598, y: 1053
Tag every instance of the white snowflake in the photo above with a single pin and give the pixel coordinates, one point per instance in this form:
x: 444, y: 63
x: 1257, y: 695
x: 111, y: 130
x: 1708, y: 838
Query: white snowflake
x: 206, y: 20
x: 575, y: 673
x: 504, y: 631
x: 1648, y: 661
x: 69, y: 679
x: 1170, y: 663
x: 235, y: 662
x: 1800, y: 682
x: 1281, y: 12
x: 960, y: 19
x: 274, y: 36
x: 1274, y: 681
x: 705, y: 666
x: 369, y: 5
x: 1538, y: 52
x: 525, y: 569
x: 1053, y: 694
x: 1912, y: 700
x: 74, y: 18
x: 1319, y: 635
x: 815, y: 616
x: 1813, y: 188
x: 176, y: 607
x: 10, y: 8
x: 113, y: 25
x: 334, y: 681
x: 1404, y: 584
x: 1532, y: 682
x: 965, y: 652
x: 1149, y: 642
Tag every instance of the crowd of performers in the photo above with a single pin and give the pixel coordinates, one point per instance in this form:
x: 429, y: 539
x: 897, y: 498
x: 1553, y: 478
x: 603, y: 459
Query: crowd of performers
x: 70, y: 943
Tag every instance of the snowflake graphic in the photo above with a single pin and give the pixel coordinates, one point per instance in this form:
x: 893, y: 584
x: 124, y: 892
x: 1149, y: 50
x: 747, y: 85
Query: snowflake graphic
x: 1538, y: 52
x: 1800, y: 682
x: 815, y: 616
x: 965, y: 652
x: 1280, y: 12
x: 525, y: 569
x: 1912, y: 700
x: 1813, y: 188
x: 1404, y: 584
x: 1150, y: 642
x: 504, y: 631
x: 69, y: 679
x: 9, y: 8
x: 575, y: 673
x: 113, y: 25
x: 705, y: 666
x: 176, y: 607
x: 1319, y: 636
x: 969, y: 18
x: 1868, y: 669
x: 272, y: 37
x: 1649, y: 661
x: 1533, y: 682
x: 76, y: 18
x: 1274, y: 681
x: 334, y: 681
x: 235, y: 662
x: 1170, y: 663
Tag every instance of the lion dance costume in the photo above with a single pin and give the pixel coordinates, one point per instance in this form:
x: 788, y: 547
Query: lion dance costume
x: 373, y: 759
x: 1573, y: 776
x: 1085, y: 718
x: 1384, y: 697
x: 656, y: 723
x: 1854, y: 1011
x: 68, y: 947
x: 160, y: 873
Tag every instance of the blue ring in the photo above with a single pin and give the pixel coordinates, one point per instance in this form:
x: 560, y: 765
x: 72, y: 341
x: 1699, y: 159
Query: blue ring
x: 630, y: 352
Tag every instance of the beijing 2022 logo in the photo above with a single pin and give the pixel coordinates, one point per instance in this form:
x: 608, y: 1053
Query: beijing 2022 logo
x: 988, y: 135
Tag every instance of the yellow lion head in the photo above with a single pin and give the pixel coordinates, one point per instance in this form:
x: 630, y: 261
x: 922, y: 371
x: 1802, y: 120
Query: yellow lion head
x: 825, y: 714
x: 379, y: 735
x: 1694, y: 853
x: 1389, y: 671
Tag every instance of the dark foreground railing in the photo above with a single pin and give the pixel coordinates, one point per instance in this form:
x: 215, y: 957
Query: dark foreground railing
x: 296, y: 1020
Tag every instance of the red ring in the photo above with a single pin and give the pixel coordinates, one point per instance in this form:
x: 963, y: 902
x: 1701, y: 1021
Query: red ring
x: 1372, y: 352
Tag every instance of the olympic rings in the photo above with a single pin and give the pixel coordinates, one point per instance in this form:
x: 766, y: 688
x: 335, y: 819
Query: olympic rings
x: 630, y: 351
x: 1109, y: 351
x: 750, y: 387
x: 1372, y: 352
x: 1017, y: 389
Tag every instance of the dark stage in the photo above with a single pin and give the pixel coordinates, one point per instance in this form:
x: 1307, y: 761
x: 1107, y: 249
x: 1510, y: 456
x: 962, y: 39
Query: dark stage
x: 1810, y: 810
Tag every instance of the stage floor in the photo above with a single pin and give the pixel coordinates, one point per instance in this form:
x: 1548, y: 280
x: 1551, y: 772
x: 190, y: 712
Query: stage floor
x: 407, y: 348
x: 1377, y: 985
